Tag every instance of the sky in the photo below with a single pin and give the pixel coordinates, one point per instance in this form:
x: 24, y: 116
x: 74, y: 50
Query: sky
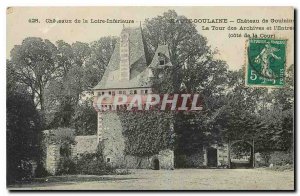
x: 232, y: 50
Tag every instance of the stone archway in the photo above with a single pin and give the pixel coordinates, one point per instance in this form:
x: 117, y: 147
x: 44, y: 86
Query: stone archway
x: 244, y: 160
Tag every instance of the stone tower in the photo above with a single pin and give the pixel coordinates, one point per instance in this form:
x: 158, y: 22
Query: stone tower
x: 127, y: 73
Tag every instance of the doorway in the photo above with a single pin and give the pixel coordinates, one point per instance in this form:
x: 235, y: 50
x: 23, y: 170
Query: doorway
x: 212, y: 157
x: 156, y: 164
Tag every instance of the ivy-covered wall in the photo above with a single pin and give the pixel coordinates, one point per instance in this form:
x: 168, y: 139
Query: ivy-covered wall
x: 133, y: 139
x: 112, y: 138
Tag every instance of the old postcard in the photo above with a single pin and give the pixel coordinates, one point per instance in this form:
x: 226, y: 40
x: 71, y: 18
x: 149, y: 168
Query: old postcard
x: 150, y: 98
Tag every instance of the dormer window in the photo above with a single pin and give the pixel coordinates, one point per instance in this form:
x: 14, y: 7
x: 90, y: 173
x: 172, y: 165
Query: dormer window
x: 159, y: 54
x: 161, y: 62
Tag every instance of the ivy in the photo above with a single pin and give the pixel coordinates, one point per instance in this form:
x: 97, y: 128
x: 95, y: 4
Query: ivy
x: 146, y: 132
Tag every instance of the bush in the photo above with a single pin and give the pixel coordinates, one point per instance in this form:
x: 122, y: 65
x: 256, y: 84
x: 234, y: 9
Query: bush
x: 68, y: 166
x: 286, y: 167
x: 281, y: 158
x: 93, y: 164
x: 123, y: 172
x: 276, y: 158
x: 41, y: 171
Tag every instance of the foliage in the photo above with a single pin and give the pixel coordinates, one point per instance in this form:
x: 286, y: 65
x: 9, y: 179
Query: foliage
x: 93, y: 164
x: 278, y: 118
x: 186, y: 46
x: 82, y: 66
x: 194, y: 70
x: 59, y: 136
x: 46, y: 83
x: 146, y: 133
x: 286, y: 167
x: 33, y: 62
x: 85, y: 119
x: 23, y: 132
x: 68, y: 166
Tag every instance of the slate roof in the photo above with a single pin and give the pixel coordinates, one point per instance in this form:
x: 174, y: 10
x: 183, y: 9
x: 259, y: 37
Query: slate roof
x: 86, y: 144
x: 139, y: 69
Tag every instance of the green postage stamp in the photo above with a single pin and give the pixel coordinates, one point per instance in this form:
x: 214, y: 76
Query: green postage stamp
x: 265, y: 64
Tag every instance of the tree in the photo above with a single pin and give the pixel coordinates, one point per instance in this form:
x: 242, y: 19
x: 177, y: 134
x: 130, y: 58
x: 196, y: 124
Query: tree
x: 84, y: 119
x: 34, y: 64
x: 23, y: 130
x: 195, y: 70
x: 81, y: 66
x: 186, y: 45
x: 279, y: 117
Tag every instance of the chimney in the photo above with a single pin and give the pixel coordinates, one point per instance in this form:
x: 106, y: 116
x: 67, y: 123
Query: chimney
x: 124, y: 56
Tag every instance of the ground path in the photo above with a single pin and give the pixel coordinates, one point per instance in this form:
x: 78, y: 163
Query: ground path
x: 179, y: 179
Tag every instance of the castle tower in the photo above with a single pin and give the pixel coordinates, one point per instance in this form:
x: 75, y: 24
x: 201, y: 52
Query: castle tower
x: 128, y: 72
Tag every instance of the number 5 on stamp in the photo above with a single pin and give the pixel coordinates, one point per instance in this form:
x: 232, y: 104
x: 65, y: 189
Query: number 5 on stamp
x: 265, y: 64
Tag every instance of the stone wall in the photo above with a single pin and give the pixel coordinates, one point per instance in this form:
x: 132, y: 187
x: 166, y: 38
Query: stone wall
x: 223, y: 155
x: 112, y: 138
x: 165, y: 159
x: 114, y: 146
x: 52, y: 158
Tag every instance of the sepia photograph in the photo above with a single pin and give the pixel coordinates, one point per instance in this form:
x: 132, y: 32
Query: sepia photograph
x: 150, y: 98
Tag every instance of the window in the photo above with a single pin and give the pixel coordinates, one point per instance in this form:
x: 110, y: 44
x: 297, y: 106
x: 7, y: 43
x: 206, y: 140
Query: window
x: 142, y: 92
x: 113, y: 93
x: 131, y: 92
x: 120, y: 92
x: 108, y: 160
x: 161, y: 62
x: 146, y: 91
x: 99, y: 93
x: 124, y: 92
x: 109, y: 92
x: 102, y: 93
x: 135, y: 91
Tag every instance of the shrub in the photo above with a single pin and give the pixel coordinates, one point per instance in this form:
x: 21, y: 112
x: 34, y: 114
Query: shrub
x: 286, y: 167
x: 41, y: 171
x: 68, y: 166
x: 281, y: 158
x: 93, y: 164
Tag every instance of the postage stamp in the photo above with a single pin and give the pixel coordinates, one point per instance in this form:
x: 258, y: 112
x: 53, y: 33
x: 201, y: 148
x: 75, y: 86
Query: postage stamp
x: 266, y: 60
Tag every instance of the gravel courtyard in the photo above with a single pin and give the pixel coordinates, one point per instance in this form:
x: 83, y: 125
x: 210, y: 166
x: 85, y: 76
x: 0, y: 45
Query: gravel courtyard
x: 179, y: 179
